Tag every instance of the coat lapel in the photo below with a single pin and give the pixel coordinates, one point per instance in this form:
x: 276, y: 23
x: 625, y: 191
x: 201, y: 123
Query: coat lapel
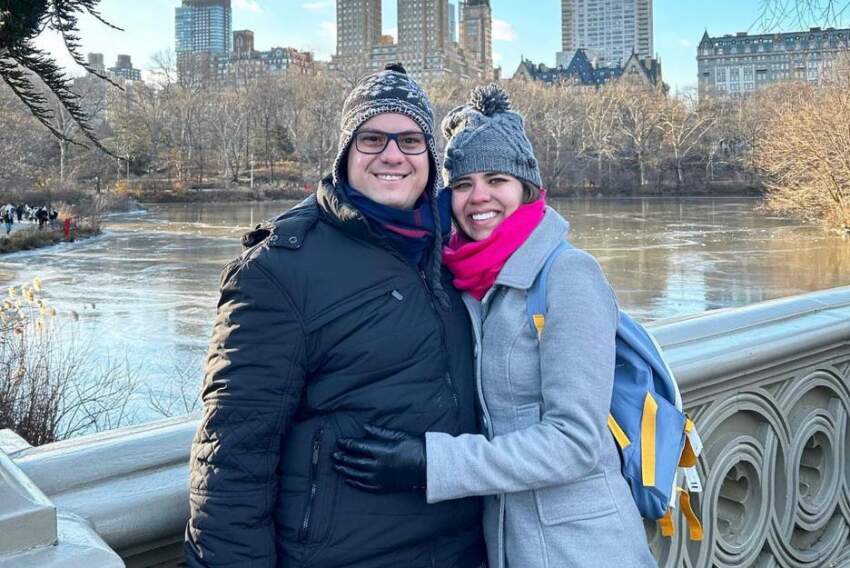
x: 523, y: 266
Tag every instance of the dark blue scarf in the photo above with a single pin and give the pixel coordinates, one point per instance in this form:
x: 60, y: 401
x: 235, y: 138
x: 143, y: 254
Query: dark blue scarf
x: 410, y: 231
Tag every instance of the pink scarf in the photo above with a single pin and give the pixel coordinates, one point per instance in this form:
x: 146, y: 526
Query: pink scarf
x: 476, y: 264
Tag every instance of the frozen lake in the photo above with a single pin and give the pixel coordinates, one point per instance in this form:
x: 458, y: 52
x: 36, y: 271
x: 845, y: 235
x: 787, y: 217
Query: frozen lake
x: 146, y: 291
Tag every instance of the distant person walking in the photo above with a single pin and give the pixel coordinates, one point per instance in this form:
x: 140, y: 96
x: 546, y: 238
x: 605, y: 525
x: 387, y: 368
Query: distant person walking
x: 41, y: 217
x: 8, y: 219
x: 19, y: 211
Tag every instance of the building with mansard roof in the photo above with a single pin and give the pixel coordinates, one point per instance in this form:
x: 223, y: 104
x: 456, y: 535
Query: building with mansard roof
x: 581, y: 71
x: 734, y: 65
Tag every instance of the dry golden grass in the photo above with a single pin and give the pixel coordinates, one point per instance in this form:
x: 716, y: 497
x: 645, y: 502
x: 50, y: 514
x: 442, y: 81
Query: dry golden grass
x: 805, y: 158
x: 29, y: 239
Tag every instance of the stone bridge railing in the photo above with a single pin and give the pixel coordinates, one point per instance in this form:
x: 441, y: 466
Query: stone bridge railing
x: 768, y: 385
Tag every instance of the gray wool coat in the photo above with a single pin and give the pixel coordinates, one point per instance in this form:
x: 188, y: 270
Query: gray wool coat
x: 546, y: 459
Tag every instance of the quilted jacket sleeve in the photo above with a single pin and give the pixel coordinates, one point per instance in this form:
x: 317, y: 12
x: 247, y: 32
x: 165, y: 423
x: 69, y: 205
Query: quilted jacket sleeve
x: 254, y: 378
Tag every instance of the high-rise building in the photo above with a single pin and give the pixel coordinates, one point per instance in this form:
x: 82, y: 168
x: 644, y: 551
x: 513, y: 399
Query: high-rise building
x: 95, y: 61
x: 423, y: 33
x: 608, y: 30
x: 202, y: 31
x: 125, y: 70
x: 425, y: 44
x: 738, y: 64
x: 203, y: 26
x: 358, y: 28
x: 245, y: 64
x: 476, y: 33
x: 243, y: 41
x: 452, y: 23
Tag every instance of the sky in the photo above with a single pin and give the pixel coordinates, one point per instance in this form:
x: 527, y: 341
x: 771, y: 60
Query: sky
x: 521, y: 28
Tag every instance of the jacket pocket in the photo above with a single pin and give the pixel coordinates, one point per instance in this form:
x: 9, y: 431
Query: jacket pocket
x: 527, y: 415
x: 352, y: 302
x: 580, y: 500
x: 318, y: 509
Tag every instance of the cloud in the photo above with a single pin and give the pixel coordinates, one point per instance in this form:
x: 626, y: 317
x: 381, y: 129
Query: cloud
x: 318, y: 6
x: 323, y: 43
x: 247, y: 5
x: 502, y: 31
x: 497, y: 57
x: 686, y: 43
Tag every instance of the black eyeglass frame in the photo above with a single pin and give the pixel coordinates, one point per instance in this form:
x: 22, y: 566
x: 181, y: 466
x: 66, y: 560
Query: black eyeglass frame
x: 394, y: 137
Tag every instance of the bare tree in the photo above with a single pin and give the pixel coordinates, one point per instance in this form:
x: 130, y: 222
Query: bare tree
x: 685, y: 125
x: 24, y: 146
x: 639, y: 118
x: 320, y: 99
x: 599, y: 131
x: 229, y: 128
x: 776, y: 13
x: 806, y: 151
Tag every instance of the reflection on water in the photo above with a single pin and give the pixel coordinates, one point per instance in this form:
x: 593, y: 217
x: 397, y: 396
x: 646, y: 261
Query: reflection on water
x: 671, y: 257
x: 147, y: 289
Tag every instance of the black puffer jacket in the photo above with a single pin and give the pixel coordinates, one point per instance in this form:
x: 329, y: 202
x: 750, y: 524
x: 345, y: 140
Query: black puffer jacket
x: 322, y: 328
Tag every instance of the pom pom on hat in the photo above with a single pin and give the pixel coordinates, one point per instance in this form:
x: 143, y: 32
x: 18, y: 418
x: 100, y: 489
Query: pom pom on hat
x: 397, y: 67
x: 490, y: 100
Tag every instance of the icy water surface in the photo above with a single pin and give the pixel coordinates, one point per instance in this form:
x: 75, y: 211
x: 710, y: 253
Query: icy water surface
x: 146, y: 290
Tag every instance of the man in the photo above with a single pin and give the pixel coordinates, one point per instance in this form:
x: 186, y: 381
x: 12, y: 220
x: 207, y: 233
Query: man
x: 338, y: 318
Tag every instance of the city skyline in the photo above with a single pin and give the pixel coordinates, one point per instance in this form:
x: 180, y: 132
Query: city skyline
x: 423, y: 41
x: 310, y: 25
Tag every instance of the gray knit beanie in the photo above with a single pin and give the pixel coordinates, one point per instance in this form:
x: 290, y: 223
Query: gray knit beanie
x: 485, y: 135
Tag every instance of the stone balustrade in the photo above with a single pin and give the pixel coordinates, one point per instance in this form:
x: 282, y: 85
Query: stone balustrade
x: 768, y: 386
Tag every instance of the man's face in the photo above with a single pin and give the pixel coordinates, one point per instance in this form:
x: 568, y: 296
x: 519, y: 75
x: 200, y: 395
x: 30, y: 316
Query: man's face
x: 391, y: 177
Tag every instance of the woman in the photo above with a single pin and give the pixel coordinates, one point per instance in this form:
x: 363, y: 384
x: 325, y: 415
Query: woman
x: 545, y: 452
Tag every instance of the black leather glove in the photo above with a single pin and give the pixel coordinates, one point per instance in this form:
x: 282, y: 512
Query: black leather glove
x: 386, y: 461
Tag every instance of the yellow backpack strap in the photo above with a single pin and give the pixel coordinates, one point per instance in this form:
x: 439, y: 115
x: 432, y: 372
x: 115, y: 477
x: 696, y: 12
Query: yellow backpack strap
x: 647, y: 441
x: 665, y: 523
x: 689, y: 456
x: 622, y: 440
x: 539, y: 324
x: 694, y: 526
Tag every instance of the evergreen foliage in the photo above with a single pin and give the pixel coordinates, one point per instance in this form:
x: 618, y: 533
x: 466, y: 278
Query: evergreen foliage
x: 22, y: 64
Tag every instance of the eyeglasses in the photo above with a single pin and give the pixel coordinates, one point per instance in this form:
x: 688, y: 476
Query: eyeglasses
x: 375, y: 141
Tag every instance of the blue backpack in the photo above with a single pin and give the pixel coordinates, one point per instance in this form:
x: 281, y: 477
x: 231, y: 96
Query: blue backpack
x: 658, y: 443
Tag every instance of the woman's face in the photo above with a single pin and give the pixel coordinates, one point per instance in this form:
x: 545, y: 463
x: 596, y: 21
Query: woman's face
x: 482, y: 201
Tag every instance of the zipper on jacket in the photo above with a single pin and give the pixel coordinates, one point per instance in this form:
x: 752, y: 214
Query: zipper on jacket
x: 430, y: 295
x: 314, y: 485
x: 443, y: 343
